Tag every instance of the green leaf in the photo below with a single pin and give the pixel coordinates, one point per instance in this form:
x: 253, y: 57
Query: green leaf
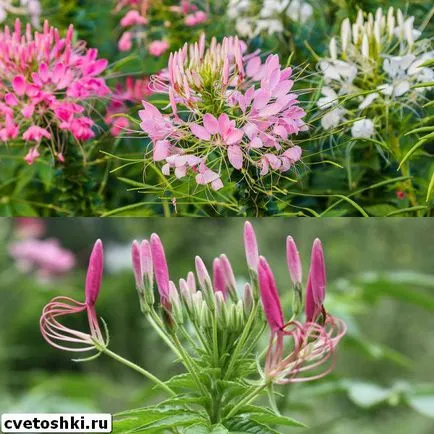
x: 154, y: 419
x: 239, y: 425
x: 267, y: 417
x: 206, y: 429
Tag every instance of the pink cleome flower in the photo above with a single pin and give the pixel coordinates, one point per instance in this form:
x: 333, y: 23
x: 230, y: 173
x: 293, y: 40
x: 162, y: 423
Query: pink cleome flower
x: 143, y: 18
x: 47, y: 257
x: 46, y: 82
x: 309, y: 354
x: 125, y: 95
x: 225, y: 103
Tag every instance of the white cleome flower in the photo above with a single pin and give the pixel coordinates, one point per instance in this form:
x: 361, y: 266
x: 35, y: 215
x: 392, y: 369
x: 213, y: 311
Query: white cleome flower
x: 299, y: 11
x: 368, y: 100
x: 329, y: 98
x: 363, y: 129
x: 338, y: 70
x: 332, y: 118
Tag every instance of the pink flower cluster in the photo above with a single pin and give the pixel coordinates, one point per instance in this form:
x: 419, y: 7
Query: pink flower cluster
x: 46, y: 81
x: 47, y: 257
x: 224, y: 103
x: 137, y: 20
x: 312, y: 343
x: 131, y: 93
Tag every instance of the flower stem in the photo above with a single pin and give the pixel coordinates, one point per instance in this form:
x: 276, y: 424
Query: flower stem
x: 247, y: 400
x: 241, y: 342
x: 139, y: 369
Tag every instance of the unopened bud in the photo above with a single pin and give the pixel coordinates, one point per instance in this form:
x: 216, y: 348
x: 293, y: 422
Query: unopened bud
x: 365, y: 46
x: 230, y: 281
x: 247, y: 300
x: 333, y: 49
x: 175, y: 303
x: 186, y: 295
x: 205, y: 281
x: 345, y: 34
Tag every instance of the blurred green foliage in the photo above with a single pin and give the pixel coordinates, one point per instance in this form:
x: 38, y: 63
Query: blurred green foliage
x: 380, y: 281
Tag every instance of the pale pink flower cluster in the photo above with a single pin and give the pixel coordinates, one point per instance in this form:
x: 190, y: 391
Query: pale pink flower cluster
x: 138, y: 20
x: 225, y: 104
x: 45, y: 83
x: 124, y: 96
x: 46, y: 257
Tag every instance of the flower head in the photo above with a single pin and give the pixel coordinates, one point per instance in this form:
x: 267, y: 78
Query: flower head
x: 228, y: 109
x: 47, y: 81
x: 68, y: 339
x: 311, y: 343
x: 378, y: 58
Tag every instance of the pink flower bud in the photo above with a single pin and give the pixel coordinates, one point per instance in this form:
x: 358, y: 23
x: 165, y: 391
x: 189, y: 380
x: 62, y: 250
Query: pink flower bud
x: 191, y: 282
x: 251, y: 247
x: 294, y: 263
x: 270, y: 296
x: 228, y: 273
x: 317, y: 281
x: 137, y: 265
x: 219, y: 281
x: 160, y: 268
x: 94, y: 273
x: 202, y: 274
x: 146, y: 260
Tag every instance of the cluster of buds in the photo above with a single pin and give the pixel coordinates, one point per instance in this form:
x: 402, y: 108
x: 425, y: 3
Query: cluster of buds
x: 228, y: 109
x: 141, y: 23
x: 378, y: 58
x: 46, y: 84
x: 299, y: 351
x: 198, y: 299
x: 267, y: 16
x: 21, y: 8
x: 122, y: 99
x: 69, y: 339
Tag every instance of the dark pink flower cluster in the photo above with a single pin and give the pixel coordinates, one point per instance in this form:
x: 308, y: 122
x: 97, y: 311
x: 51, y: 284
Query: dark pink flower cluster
x: 225, y: 103
x: 139, y: 23
x: 124, y: 96
x: 46, y: 82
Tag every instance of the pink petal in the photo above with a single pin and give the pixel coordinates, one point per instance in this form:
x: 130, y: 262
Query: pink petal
x: 261, y: 99
x: 235, y: 155
x: 200, y: 132
x: 211, y: 123
x: 161, y: 150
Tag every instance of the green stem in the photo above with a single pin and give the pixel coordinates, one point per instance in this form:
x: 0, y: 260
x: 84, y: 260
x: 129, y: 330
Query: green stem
x: 241, y: 342
x: 139, y: 369
x: 247, y: 400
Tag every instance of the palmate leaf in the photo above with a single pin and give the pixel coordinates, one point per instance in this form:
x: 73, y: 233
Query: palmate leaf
x: 155, y: 419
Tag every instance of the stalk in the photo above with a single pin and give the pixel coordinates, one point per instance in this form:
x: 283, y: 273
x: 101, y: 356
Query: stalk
x: 139, y: 369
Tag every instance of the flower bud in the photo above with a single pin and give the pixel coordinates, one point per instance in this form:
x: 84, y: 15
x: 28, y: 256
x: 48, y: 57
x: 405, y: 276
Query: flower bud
x: 161, y: 270
x: 231, y: 283
x: 251, y: 247
x: 293, y: 260
x: 186, y: 295
x: 247, y: 299
x: 191, y: 282
x: 365, y: 46
x: 220, y: 308
x: 175, y: 303
x: 143, y: 273
x: 333, y: 49
x: 219, y: 281
x: 345, y: 34
x: 205, y: 281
